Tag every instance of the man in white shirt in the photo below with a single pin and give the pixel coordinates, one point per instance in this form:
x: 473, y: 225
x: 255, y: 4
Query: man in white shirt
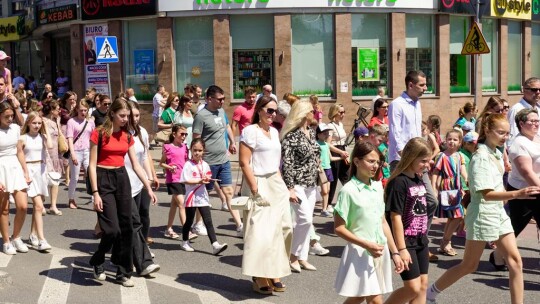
x: 267, y: 91
x: 530, y: 99
x: 158, y: 103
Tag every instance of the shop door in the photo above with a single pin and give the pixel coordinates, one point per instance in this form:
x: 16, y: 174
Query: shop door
x: 61, y: 54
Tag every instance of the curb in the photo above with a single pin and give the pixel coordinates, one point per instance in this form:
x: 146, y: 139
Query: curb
x: 5, y: 279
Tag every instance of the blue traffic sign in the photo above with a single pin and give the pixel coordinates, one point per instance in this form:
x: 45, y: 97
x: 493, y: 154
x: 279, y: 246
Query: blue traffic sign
x: 107, y: 47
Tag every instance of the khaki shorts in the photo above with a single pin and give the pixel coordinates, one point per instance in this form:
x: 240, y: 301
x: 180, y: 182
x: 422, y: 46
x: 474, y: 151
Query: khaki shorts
x: 487, y: 222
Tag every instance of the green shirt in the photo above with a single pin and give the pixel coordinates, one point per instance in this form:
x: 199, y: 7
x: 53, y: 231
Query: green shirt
x: 467, y: 159
x: 325, y: 154
x: 362, y: 208
x: 168, y: 115
x: 384, y: 150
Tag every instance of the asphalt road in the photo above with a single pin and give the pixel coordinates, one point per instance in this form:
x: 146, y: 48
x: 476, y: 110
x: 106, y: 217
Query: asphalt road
x: 64, y: 276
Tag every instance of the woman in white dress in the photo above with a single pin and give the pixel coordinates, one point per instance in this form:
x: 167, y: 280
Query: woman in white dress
x: 268, y: 227
x: 14, y: 180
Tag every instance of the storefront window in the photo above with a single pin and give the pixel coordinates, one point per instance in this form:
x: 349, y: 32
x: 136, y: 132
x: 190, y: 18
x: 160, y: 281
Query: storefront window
x: 27, y: 59
x: 514, y: 56
x: 460, y: 65
x: 419, y: 43
x: 313, y: 54
x: 253, y: 45
x: 490, y: 60
x: 369, y: 49
x: 535, y: 52
x: 140, y: 57
x: 194, y: 44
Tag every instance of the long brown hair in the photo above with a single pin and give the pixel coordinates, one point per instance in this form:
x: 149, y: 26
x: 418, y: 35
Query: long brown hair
x: 361, y: 149
x: 117, y: 105
x: 135, y: 105
x: 415, y: 148
x: 261, y: 103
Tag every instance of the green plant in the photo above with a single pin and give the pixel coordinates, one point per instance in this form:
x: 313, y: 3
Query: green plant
x: 144, y: 96
x: 459, y: 89
x: 489, y: 88
x: 238, y: 95
x: 364, y: 92
x: 321, y: 93
x: 514, y: 87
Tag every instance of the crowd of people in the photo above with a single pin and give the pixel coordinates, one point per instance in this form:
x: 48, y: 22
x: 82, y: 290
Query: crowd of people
x: 400, y: 174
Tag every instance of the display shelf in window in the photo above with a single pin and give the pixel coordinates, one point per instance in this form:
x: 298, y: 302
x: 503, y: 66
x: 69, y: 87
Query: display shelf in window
x: 252, y: 68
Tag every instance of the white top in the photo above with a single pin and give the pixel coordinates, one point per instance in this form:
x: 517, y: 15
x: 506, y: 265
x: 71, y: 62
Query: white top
x: 157, y: 106
x: 405, y: 116
x: 196, y: 194
x: 33, y: 147
x: 523, y: 146
x: 271, y: 95
x: 141, y: 151
x: 337, y: 133
x: 522, y: 104
x: 8, y: 140
x: 201, y: 105
x: 266, y: 152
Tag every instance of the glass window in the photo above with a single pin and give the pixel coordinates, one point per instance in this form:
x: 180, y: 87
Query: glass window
x: 140, y: 46
x: 514, y: 56
x: 460, y: 65
x: 419, y: 43
x: 194, y: 44
x: 313, y: 62
x: 535, y: 52
x: 490, y: 61
x: 253, y: 44
x: 369, y: 33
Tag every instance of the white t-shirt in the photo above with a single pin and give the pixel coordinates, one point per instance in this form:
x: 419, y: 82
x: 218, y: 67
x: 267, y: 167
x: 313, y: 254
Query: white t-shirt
x: 157, y: 106
x: 141, y: 151
x: 196, y: 194
x: 266, y: 155
x: 337, y: 134
x: 522, y: 146
x: 8, y: 140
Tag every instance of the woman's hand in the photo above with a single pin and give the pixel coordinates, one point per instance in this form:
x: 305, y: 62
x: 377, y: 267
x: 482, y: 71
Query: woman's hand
x: 153, y: 197
x: 406, y: 258
x: 173, y: 168
x: 374, y: 249
x: 528, y: 192
x: 74, y: 159
x: 98, y: 203
x: 399, y: 265
x: 292, y: 197
x: 154, y: 183
x: 27, y: 178
x: 205, y: 180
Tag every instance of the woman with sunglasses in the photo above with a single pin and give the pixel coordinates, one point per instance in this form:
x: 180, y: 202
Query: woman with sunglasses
x: 167, y: 117
x: 380, y: 113
x: 103, y: 103
x: 337, y: 147
x: 268, y: 226
x: 184, y: 116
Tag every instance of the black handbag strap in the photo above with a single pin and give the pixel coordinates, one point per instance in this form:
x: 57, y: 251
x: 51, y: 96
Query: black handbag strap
x: 80, y: 133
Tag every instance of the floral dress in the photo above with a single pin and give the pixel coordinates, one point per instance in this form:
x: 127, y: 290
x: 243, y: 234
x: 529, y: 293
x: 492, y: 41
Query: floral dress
x: 449, y: 167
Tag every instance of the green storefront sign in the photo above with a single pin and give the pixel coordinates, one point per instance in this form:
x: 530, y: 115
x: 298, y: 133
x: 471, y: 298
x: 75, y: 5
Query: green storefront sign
x: 368, y: 64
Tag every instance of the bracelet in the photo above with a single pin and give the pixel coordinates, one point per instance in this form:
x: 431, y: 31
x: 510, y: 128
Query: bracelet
x: 95, y: 191
x: 395, y: 253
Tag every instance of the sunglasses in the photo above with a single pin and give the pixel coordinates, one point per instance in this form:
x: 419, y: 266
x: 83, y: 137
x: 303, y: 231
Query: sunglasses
x: 506, y: 108
x: 271, y: 111
x: 341, y: 112
x: 536, y: 90
x: 222, y: 99
x: 184, y: 134
x: 107, y: 104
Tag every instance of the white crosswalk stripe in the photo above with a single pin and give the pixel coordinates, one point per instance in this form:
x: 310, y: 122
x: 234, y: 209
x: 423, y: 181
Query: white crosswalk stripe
x: 56, y: 287
x: 4, y: 260
x: 137, y: 294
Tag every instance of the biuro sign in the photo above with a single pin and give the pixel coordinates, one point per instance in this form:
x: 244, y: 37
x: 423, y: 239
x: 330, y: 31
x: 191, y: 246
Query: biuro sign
x: 515, y: 9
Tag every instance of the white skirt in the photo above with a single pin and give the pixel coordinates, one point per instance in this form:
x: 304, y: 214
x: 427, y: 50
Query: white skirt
x: 360, y: 275
x: 39, y: 183
x: 12, y: 174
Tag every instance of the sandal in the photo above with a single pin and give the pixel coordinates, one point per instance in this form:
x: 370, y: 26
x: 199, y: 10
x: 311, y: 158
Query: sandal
x: 278, y: 286
x: 171, y: 234
x: 72, y: 204
x: 448, y: 251
x: 265, y: 290
x: 54, y: 212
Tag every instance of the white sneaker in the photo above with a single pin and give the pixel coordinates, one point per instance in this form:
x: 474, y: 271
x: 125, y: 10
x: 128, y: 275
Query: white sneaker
x: 19, y: 245
x: 330, y: 209
x: 224, y: 207
x: 33, y: 239
x: 43, y: 246
x: 199, y: 229
x: 317, y: 249
x: 192, y: 236
x: 186, y: 246
x: 9, y: 249
x: 240, y: 231
x: 150, y: 269
x: 126, y: 282
x: 219, y: 248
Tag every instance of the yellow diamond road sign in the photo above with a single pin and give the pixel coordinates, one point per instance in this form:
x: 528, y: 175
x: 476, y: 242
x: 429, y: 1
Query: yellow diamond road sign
x: 475, y: 42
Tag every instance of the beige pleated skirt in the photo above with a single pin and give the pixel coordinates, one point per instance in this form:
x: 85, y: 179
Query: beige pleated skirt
x: 268, y: 230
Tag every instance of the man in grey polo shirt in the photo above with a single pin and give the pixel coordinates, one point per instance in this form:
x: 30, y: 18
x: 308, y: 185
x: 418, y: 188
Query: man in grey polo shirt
x: 212, y: 126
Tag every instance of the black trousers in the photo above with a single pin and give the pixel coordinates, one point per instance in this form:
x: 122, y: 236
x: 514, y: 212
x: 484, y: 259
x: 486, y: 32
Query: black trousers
x: 522, y: 211
x: 207, y: 220
x: 141, y: 254
x: 142, y: 201
x: 340, y: 171
x: 115, y: 220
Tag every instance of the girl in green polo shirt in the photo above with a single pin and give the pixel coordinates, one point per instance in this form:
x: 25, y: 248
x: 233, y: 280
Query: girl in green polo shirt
x: 365, y: 271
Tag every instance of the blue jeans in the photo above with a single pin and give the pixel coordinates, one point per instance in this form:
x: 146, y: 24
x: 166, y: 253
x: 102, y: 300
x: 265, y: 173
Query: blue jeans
x: 223, y: 173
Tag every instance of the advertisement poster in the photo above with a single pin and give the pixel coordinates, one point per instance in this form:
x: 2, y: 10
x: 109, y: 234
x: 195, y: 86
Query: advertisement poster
x: 95, y: 74
x: 368, y: 64
x: 144, y: 67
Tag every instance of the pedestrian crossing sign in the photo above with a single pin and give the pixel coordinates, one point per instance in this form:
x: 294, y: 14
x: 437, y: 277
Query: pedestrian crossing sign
x: 475, y: 42
x: 108, y: 49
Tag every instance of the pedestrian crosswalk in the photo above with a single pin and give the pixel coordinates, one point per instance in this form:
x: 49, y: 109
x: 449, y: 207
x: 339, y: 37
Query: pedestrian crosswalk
x: 63, y: 275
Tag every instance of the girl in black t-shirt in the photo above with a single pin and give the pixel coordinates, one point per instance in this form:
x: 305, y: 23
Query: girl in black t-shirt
x: 406, y: 206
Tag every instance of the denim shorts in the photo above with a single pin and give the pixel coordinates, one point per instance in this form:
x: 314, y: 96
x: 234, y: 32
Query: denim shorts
x: 221, y: 172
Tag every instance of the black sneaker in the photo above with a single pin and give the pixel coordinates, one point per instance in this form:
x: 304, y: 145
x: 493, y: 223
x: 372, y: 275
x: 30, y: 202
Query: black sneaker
x: 99, y: 273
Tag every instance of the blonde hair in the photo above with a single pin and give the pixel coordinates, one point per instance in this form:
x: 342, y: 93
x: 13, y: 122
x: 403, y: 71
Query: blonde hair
x: 488, y: 123
x: 80, y: 103
x: 298, y: 113
x: 415, y: 148
x: 290, y: 98
x: 31, y: 116
x: 334, y: 109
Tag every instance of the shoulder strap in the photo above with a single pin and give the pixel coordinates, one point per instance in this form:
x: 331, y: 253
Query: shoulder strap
x: 80, y: 133
x: 100, y: 139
